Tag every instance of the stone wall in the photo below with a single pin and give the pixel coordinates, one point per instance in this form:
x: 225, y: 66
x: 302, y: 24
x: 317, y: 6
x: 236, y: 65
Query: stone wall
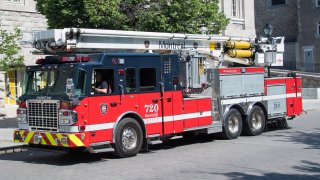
x: 244, y: 25
x: 309, y: 17
x: 283, y: 18
x: 29, y: 23
x: 23, y: 16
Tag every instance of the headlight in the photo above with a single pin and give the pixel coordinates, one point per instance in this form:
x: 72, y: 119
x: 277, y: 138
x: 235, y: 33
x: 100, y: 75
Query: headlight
x: 67, y: 117
x: 22, y: 115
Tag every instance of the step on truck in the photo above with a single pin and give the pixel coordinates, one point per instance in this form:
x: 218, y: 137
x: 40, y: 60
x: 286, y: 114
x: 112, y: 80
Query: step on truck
x: 156, y: 86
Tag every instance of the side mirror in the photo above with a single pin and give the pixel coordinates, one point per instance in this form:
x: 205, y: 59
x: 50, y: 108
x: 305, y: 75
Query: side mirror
x: 70, y: 88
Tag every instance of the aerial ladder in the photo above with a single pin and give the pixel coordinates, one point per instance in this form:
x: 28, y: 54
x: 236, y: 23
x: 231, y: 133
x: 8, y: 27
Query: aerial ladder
x: 223, y: 50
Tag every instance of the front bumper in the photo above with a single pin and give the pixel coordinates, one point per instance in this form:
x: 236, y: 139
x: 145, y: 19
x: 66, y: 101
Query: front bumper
x: 50, y: 138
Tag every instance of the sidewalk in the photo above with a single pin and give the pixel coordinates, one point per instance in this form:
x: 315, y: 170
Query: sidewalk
x: 6, y: 137
x: 7, y: 126
x: 311, y: 104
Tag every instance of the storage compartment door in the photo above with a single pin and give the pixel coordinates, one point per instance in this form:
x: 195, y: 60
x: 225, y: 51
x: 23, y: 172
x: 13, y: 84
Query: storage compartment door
x: 276, y: 100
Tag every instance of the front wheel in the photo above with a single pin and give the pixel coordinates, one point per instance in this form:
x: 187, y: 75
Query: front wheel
x: 128, y: 138
x: 232, y: 125
x: 255, y: 122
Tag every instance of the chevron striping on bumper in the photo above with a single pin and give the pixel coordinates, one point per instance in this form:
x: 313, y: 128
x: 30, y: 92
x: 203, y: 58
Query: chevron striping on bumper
x: 50, y: 138
x: 29, y: 136
x: 21, y: 133
x: 75, y: 140
x: 60, y: 137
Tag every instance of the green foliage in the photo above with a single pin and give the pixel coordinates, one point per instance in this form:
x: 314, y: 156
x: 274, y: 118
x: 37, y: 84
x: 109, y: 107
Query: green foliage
x: 183, y: 16
x: 9, y: 49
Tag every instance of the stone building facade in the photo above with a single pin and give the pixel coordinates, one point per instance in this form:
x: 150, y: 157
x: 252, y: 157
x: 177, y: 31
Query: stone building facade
x: 309, y: 35
x: 241, y: 15
x: 18, y: 14
x: 299, y: 22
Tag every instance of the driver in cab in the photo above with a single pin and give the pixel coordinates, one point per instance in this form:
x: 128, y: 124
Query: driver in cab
x: 101, y: 86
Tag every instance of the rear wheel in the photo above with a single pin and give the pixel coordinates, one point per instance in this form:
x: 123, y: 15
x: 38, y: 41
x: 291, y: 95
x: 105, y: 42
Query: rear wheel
x: 232, y: 124
x: 128, y: 138
x: 282, y: 123
x: 255, y: 122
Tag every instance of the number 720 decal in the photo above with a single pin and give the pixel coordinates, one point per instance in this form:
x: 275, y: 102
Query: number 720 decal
x: 150, y: 108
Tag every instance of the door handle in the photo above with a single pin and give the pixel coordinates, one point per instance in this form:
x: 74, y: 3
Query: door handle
x: 155, y: 100
x: 168, y: 99
x: 113, y: 104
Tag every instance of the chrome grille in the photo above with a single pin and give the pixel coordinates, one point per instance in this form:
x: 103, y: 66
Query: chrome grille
x: 43, y: 114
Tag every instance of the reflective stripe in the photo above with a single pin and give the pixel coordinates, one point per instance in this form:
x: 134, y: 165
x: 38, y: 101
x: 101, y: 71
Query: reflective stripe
x: 75, y: 140
x: 42, y: 140
x: 272, y: 97
x: 259, y: 98
x: 21, y: 133
x: 52, y: 141
x: 95, y: 127
x: 49, y: 139
x: 29, y: 136
x: 154, y: 120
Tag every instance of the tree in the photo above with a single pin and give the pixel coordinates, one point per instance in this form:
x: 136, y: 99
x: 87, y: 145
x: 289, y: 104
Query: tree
x: 187, y: 16
x: 9, y: 49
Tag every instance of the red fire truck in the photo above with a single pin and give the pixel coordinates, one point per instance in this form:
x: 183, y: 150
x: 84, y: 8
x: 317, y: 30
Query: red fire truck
x: 159, y: 85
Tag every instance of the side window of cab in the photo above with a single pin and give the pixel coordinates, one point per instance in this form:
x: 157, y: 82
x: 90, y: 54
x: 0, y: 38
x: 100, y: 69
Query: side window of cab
x: 102, y: 82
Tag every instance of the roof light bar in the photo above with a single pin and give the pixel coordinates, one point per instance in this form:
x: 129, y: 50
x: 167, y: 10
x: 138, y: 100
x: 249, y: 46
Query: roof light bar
x: 63, y: 59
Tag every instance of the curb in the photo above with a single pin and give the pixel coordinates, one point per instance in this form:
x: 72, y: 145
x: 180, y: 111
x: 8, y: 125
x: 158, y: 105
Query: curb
x: 12, y: 149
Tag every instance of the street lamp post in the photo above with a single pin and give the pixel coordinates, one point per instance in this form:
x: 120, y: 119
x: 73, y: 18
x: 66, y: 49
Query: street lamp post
x: 268, y: 29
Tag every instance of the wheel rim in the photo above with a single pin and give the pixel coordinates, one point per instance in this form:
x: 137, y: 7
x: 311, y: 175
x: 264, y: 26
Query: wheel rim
x: 129, y: 138
x: 256, y: 120
x: 233, y: 124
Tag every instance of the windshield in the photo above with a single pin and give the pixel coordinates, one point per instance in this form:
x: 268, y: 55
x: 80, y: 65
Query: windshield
x: 47, y: 82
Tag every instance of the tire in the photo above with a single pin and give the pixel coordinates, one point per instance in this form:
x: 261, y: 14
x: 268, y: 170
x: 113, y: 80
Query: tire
x: 232, y: 125
x: 255, y: 122
x: 128, y: 138
x: 282, y: 123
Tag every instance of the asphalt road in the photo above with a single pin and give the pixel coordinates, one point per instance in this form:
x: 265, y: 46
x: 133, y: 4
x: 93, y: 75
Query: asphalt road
x: 277, y: 154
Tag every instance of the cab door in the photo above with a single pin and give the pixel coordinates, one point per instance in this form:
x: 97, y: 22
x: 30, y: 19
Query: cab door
x: 103, y: 108
x: 150, y: 101
x: 129, y: 100
x: 169, y: 77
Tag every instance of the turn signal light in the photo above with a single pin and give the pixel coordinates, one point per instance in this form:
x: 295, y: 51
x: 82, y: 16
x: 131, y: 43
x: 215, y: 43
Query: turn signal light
x: 66, y: 105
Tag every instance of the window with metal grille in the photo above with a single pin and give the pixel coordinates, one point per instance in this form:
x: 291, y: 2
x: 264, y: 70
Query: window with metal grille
x: 167, y: 66
x: 278, y: 2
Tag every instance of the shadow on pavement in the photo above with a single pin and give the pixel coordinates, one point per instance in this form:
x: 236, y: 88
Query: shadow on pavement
x: 68, y: 159
x: 55, y: 158
x: 312, y: 139
x: 308, y: 170
x: 173, y: 143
